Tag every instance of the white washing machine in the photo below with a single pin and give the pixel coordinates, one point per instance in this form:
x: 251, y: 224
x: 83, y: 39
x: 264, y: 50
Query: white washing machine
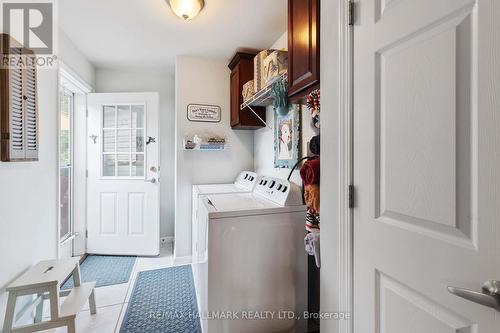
x: 254, y: 266
x: 244, y: 183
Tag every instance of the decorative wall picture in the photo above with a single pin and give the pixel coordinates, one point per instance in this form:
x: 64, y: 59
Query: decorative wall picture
x: 204, y: 113
x: 287, y: 138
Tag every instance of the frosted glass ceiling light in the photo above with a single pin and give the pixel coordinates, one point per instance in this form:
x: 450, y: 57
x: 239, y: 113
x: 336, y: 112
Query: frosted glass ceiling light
x: 186, y: 9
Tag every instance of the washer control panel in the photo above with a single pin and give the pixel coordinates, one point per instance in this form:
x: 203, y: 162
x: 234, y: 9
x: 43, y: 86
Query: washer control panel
x: 280, y: 191
x: 247, y: 179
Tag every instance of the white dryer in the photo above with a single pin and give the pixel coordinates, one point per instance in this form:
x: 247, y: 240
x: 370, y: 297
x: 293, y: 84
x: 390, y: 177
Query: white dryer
x: 254, y: 264
x: 244, y: 183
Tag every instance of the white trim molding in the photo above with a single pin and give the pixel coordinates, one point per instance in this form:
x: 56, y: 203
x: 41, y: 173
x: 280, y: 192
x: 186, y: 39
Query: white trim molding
x: 178, y: 261
x: 336, y: 164
x: 72, y: 81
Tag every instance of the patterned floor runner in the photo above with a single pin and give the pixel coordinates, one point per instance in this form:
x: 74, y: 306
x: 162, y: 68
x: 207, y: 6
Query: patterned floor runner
x: 163, y: 300
x: 105, y: 270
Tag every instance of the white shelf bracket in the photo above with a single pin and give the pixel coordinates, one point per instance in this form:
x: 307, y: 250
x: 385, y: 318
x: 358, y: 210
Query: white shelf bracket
x: 260, y: 118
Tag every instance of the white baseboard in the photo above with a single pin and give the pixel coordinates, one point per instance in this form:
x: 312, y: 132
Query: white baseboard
x: 182, y: 260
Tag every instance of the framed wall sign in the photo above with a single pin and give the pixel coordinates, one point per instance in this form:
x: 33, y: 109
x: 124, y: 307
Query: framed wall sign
x: 204, y: 113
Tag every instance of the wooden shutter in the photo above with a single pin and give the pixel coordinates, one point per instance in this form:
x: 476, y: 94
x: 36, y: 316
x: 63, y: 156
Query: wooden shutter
x: 18, y: 106
x: 16, y: 114
x: 30, y: 114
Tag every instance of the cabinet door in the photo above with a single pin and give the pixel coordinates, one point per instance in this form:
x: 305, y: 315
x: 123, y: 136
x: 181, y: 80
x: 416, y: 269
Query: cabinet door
x: 303, y: 45
x: 235, y: 93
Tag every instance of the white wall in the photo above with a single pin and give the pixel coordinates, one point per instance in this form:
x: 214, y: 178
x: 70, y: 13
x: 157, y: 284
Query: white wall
x: 113, y: 80
x: 205, y: 81
x: 264, y: 137
x: 28, y: 196
x: 73, y: 58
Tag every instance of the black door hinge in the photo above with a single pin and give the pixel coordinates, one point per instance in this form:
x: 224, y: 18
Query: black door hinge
x: 351, y: 196
x: 86, y: 234
x: 350, y: 10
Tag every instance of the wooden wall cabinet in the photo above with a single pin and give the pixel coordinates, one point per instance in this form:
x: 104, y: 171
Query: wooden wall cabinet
x: 303, y: 48
x: 18, y: 104
x: 241, y: 72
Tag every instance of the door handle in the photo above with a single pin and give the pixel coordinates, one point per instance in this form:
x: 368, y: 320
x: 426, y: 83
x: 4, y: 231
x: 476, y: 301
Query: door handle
x: 489, y: 295
x: 152, y: 180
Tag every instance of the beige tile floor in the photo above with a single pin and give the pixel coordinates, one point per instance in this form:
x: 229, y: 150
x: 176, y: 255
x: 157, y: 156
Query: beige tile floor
x: 112, y: 301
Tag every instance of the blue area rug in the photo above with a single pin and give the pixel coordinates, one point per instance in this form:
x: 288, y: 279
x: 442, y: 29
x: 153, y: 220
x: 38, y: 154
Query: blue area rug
x: 104, y: 270
x: 163, y: 300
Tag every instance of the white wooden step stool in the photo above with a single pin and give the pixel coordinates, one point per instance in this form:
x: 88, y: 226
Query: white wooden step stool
x: 42, y: 279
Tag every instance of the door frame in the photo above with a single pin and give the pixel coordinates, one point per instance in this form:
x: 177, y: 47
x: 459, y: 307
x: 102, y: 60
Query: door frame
x: 63, y: 89
x: 337, y: 244
x: 71, y: 81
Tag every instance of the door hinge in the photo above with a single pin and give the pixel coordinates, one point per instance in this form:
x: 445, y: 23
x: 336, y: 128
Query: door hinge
x: 86, y: 173
x: 86, y: 234
x: 350, y: 9
x: 87, y: 113
x: 351, y: 196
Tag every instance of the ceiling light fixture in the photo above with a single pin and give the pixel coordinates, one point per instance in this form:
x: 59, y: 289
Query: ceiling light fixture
x: 186, y: 9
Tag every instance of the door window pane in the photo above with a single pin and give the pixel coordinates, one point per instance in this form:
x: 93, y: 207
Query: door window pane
x: 124, y: 116
x: 65, y: 127
x: 65, y: 201
x: 124, y: 145
x: 108, y: 168
x: 109, y: 120
x: 123, y: 165
x: 137, y: 116
x: 138, y: 145
x: 138, y: 165
x: 123, y: 141
x: 109, y: 140
x: 65, y: 164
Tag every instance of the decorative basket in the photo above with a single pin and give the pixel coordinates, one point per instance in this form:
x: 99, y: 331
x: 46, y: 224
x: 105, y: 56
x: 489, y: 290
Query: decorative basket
x: 275, y: 64
x: 248, y: 90
x: 258, y: 69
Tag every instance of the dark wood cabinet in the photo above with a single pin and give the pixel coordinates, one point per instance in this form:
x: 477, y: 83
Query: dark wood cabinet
x: 303, y: 47
x: 241, y: 72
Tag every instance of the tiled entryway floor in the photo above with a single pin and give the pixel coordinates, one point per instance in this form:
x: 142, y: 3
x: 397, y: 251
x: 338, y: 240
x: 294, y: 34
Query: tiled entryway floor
x: 112, y: 301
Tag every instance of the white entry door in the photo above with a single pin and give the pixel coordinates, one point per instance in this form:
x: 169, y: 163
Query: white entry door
x: 123, y: 174
x: 427, y: 164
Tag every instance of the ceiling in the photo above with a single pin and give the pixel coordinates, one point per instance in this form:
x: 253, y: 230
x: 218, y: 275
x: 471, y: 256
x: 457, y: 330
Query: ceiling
x: 146, y: 34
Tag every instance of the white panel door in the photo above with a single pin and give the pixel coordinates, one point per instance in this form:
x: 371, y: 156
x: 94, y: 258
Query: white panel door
x: 123, y: 174
x: 427, y: 164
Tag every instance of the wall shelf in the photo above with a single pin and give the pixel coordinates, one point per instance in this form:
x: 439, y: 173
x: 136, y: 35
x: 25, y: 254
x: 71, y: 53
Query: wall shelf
x: 205, y: 142
x: 264, y: 96
x: 207, y: 148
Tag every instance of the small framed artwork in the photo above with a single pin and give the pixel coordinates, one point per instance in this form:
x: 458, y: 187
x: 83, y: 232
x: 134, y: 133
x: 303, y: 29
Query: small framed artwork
x: 204, y: 113
x: 287, y: 138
